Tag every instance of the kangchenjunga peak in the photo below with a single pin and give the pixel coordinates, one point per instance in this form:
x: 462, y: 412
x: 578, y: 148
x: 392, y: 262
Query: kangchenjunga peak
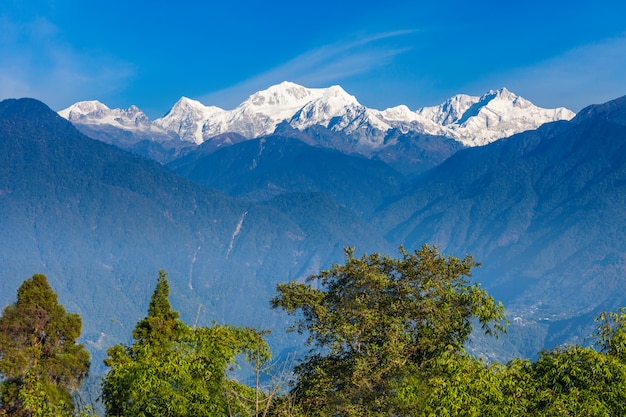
x: 471, y: 120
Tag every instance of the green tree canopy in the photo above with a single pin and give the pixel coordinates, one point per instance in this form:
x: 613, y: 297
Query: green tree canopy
x: 378, y: 319
x: 40, y: 361
x: 161, y: 326
x: 611, y: 333
x: 578, y: 381
x: 174, y: 370
x: 570, y: 380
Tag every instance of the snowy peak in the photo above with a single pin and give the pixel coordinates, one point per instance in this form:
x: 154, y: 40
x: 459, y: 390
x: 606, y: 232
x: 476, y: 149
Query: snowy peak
x: 476, y: 121
x: 471, y: 120
x: 186, y: 119
x: 285, y: 95
x: 501, y: 100
x: 95, y: 113
x: 185, y: 105
x: 462, y: 107
x: 263, y: 111
x: 332, y: 105
x: 85, y: 109
x: 450, y: 111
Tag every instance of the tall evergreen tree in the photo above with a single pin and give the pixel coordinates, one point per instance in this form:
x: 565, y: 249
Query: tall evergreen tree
x: 161, y: 325
x: 172, y: 369
x: 40, y: 361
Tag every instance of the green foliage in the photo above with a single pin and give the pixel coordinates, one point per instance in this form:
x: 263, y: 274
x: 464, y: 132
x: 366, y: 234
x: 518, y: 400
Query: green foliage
x: 455, y: 385
x: 376, y: 319
x: 581, y: 381
x: 564, y: 381
x: 39, y: 359
x: 161, y: 325
x: 611, y: 333
x: 578, y: 381
x: 175, y: 370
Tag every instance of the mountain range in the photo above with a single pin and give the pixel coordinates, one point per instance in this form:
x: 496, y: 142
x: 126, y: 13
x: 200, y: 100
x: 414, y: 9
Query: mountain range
x: 467, y: 119
x: 100, y: 222
x: 544, y: 210
x: 230, y: 217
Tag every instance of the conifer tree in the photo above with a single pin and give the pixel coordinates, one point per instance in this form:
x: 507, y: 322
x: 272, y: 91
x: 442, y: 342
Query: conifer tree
x: 174, y: 370
x: 161, y: 324
x: 40, y: 362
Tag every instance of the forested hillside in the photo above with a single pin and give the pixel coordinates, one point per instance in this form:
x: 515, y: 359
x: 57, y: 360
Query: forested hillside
x: 542, y: 211
x: 98, y: 221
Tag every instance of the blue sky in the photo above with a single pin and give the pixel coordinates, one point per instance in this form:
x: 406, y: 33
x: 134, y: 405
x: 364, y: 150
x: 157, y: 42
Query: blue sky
x: 554, y: 53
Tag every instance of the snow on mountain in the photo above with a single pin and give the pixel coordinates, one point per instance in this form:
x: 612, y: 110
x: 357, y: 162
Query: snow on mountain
x: 95, y: 113
x: 449, y: 111
x: 477, y: 121
x: 263, y: 111
x: 471, y: 120
x: 86, y: 109
x: 257, y: 116
x: 332, y: 103
x: 187, y: 119
x: 281, y: 101
x: 341, y: 112
x: 401, y: 117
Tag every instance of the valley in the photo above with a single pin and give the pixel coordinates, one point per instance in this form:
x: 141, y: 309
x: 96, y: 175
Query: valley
x: 230, y: 216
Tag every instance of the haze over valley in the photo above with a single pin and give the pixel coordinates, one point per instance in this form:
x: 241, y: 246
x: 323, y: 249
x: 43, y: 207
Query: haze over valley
x: 233, y: 215
x: 240, y: 146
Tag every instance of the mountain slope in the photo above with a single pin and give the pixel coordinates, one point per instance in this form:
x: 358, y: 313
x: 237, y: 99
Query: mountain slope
x: 100, y: 222
x: 128, y: 129
x: 544, y: 212
x: 263, y: 168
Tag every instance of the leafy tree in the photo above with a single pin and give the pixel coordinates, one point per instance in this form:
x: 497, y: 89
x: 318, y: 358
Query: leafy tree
x: 578, y: 381
x: 564, y: 381
x: 611, y: 333
x: 456, y: 385
x: 378, y: 321
x: 174, y: 370
x: 40, y: 361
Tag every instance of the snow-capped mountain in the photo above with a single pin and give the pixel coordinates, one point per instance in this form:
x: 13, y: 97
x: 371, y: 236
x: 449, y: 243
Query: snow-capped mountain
x: 95, y: 113
x: 471, y: 120
x: 259, y: 114
x: 187, y: 119
x: 477, y: 121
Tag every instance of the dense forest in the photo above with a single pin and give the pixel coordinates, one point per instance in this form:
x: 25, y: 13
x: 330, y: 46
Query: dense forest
x: 387, y: 337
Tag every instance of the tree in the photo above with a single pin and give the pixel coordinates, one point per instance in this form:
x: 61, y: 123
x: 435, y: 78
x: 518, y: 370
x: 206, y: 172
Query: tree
x: 582, y: 381
x: 40, y: 361
x: 174, y: 370
x: 378, y: 320
x: 161, y: 326
x: 458, y: 385
x: 579, y: 381
x: 611, y: 333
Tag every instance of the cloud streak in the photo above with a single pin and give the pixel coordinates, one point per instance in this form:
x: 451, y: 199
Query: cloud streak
x: 35, y: 62
x: 323, y: 66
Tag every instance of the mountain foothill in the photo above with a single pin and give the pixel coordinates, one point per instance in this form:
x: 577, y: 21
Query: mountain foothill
x: 99, y: 200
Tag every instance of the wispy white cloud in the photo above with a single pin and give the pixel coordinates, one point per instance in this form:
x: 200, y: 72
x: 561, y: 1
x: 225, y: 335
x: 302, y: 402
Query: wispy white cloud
x: 36, y: 62
x: 323, y: 66
x: 590, y: 74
